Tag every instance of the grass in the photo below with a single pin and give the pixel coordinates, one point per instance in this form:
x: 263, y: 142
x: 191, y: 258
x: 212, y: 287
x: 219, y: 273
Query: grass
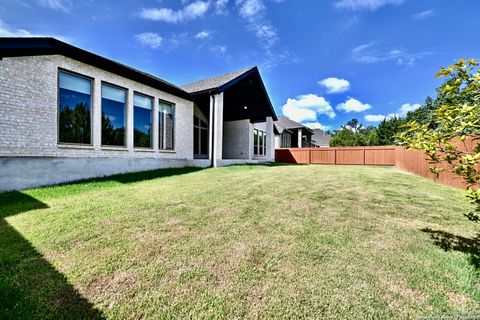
x: 239, y: 242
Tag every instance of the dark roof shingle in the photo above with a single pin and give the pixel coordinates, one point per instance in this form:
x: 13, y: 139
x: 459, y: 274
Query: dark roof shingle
x: 284, y: 123
x: 321, y: 138
x: 215, y: 82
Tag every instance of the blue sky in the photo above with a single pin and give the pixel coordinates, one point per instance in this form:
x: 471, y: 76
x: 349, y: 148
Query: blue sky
x: 323, y: 61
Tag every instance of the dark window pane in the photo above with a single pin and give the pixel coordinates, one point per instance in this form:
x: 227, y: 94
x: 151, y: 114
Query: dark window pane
x: 113, y: 116
x: 204, y: 141
x: 142, y: 121
x: 196, y: 141
x: 74, y: 109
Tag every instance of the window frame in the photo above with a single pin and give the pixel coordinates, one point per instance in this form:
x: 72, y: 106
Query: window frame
x: 200, y: 130
x: 92, y: 86
x: 286, y: 137
x: 174, y: 109
x: 125, y: 116
x: 152, y: 115
x: 259, y: 150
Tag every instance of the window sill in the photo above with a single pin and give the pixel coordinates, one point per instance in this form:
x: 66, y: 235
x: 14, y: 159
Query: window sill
x: 75, y: 146
x: 104, y: 148
x: 166, y: 151
x: 143, y: 150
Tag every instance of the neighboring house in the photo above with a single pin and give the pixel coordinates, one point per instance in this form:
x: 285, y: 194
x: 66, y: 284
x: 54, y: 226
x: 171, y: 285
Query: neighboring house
x: 320, y: 138
x: 291, y: 134
x: 68, y: 114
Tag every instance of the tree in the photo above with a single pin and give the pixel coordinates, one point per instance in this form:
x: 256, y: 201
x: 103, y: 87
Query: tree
x: 388, y: 129
x: 456, y: 116
x: 353, y: 133
x: 424, y: 113
x: 353, y: 125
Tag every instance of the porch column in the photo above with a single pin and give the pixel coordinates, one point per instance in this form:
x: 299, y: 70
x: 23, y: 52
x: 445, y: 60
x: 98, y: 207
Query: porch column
x: 270, y: 152
x: 210, y: 130
x: 218, y: 129
x: 299, y: 138
x: 250, y: 141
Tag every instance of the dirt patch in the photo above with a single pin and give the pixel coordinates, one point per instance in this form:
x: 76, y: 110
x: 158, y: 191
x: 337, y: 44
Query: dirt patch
x: 458, y: 300
x: 399, y: 294
x: 112, y: 286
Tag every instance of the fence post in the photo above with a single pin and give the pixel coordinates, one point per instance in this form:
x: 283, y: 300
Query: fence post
x: 364, y: 156
x: 335, y: 156
x: 309, y: 156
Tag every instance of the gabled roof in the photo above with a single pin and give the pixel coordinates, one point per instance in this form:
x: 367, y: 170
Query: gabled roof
x: 284, y: 123
x: 18, y: 47
x: 217, y: 83
x: 233, y: 80
x: 320, y: 137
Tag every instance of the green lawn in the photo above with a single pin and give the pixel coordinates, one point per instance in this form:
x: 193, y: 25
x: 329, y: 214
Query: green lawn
x: 240, y: 242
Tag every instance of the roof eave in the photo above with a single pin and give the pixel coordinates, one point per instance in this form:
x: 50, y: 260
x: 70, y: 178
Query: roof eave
x: 36, y: 46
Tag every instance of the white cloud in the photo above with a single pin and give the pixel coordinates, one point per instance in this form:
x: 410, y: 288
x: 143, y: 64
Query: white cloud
x: 407, y: 107
x: 374, y: 117
x: 401, y: 112
x: 369, y: 53
x: 203, y: 34
x: 8, y: 31
x: 335, y: 85
x: 253, y: 12
x: 372, y: 5
x: 218, y: 49
x: 307, y: 107
x: 424, y: 14
x: 250, y: 8
x: 149, y: 39
x: 353, y: 105
x: 192, y: 11
x: 60, y: 5
x: 267, y: 33
x: 221, y: 7
x: 317, y: 125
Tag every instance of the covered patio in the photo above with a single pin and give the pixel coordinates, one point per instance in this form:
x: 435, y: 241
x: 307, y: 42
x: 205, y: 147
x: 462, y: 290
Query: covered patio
x: 233, y: 119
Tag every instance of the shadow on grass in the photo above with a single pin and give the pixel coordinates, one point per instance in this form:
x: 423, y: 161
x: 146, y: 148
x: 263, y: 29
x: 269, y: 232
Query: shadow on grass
x: 133, y: 177
x: 450, y: 242
x: 30, y: 287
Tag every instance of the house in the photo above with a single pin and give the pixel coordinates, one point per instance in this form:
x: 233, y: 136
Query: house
x: 291, y: 134
x: 68, y: 114
x: 320, y: 138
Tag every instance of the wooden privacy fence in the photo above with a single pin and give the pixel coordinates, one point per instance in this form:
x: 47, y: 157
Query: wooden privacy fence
x: 382, y: 156
x: 413, y: 161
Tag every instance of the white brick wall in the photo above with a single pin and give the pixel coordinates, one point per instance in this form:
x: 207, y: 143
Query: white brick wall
x: 28, y: 111
x: 236, y: 135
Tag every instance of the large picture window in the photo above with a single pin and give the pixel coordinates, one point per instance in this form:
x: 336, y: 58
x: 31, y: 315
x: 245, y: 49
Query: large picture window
x: 166, y: 125
x: 113, y: 115
x: 259, y: 143
x: 142, y: 121
x: 74, y: 108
